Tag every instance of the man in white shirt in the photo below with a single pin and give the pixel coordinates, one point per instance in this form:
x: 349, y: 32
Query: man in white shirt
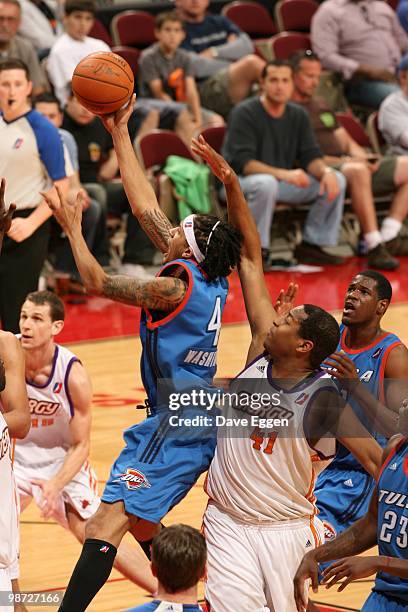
x: 72, y: 46
x: 393, y: 114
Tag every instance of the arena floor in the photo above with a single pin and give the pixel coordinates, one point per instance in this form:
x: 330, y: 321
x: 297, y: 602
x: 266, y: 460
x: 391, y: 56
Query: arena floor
x: 103, y: 335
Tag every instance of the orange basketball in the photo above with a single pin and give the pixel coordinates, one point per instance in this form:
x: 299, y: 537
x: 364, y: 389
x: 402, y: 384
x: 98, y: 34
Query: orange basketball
x: 103, y: 82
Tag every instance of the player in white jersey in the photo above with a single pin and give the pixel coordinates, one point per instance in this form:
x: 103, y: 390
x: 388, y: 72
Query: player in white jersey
x: 261, y: 516
x: 51, y: 464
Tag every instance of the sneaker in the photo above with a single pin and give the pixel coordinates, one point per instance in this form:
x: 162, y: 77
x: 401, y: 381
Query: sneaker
x: 398, y: 245
x: 308, y: 253
x: 135, y: 270
x: 380, y: 258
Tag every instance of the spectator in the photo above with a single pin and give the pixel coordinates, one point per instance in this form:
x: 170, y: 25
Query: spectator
x: 166, y: 72
x: 225, y: 65
x: 265, y: 137
x: 363, y: 40
x: 393, y: 114
x: 72, y: 46
x: 14, y: 46
x: 179, y: 557
x: 367, y: 176
x: 94, y: 216
x: 98, y: 166
x: 31, y: 155
x: 39, y: 25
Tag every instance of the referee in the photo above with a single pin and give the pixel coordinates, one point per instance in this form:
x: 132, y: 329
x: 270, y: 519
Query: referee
x: 31, y: 159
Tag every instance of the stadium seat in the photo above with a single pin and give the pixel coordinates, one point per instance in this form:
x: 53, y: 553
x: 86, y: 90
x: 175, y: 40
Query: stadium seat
x: 354, y: 128
x: 133, y: 29
x: 215, y: 136
x: 295, y: 15
x: 374, y: 133
x: 99, y: 31
x: 131, y: 55
x: 252, y: 17
x: 154, y: 148
x: 285, y: 44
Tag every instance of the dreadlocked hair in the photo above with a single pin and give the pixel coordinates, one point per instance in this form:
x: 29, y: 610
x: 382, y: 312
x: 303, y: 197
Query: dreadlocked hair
x: 223, y: 251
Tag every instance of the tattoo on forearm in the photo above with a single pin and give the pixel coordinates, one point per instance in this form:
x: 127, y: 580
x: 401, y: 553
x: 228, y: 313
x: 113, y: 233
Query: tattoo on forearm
x: 157, y: 227
x: 156, y: 294
x: 352, y: 541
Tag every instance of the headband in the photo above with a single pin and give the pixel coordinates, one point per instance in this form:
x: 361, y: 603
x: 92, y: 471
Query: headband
x: 188, y: 227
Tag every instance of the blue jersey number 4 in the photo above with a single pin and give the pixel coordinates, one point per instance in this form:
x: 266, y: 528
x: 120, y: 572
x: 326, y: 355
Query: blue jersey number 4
x: 214, y: 324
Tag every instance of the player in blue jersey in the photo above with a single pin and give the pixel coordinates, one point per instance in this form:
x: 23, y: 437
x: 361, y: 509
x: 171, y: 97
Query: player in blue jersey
x: 181, y: 319
x: 380, y: 361
x: 385, y: 524
x: 179, y: 556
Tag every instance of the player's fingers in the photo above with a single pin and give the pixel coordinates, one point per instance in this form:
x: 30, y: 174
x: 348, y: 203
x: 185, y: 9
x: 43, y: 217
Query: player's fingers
x: 2, y: 190
x: 11, y: 211
x: 331, y: 571
x: 339, y: 575
x: 344, y: 584
x: 315, y: 580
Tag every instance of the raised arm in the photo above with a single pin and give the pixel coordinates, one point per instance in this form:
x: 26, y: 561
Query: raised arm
x: 14, y: 401
x: 6, y: 216
x: 259, y: 308
x: 164, y: 293
x: 140, y: 193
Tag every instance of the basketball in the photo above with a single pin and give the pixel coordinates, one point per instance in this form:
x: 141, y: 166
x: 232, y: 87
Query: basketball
x: 103, y: 82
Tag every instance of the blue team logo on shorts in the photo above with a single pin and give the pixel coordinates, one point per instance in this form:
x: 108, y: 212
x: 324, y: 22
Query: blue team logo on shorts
x: 133, y: 479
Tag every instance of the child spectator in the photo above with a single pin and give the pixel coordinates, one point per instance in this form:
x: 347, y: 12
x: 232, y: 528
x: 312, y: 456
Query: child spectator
x: 72, y: 46
x: 179, y: 557
x: 166, y: 72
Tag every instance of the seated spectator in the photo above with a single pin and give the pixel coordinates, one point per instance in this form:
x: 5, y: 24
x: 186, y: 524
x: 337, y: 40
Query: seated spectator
x: 393, y: 114
x: 14, y: 46
x: 98, y: 167
x: 366, y: 175
x: 166, y: 72
x: 72, y: 46
x: 225, y: 65
x: 39, y: 25
x: 363, y: 40
x: 179, y: 557
x: 94, y: 217
x: 265, y: 137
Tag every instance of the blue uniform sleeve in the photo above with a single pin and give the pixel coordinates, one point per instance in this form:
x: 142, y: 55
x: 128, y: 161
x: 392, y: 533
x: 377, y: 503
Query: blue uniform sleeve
x: 49, y: 143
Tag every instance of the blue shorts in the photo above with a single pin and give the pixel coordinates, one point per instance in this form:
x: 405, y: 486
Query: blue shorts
x: 158, y: 466
x: 343, y: 496
x: 378, y: 602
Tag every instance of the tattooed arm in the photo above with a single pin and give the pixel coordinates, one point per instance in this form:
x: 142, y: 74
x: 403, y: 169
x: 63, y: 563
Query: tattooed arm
x: 140, y: 193
x: 164, y: 293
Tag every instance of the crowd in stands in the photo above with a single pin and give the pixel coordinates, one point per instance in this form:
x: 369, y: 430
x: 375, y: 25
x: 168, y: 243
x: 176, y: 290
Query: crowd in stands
x: 282, y: 135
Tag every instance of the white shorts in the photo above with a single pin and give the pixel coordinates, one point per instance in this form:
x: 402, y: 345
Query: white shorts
x: 81, y: 493
x: 250, y: 567
x: 5, y: 585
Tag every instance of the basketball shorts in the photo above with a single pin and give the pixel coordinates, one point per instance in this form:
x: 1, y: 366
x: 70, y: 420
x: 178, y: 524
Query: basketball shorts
x: 251, y: 567
x: 158, y: 466
x: 5, y: 585
x: 343, y: 497
x: 378, y: 602
x: 81, y: 493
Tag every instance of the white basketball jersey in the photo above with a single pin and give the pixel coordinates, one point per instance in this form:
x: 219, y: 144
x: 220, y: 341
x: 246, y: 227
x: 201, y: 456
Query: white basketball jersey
x: 269, y: 475
x: 51, y: 411
x: 9, y: 540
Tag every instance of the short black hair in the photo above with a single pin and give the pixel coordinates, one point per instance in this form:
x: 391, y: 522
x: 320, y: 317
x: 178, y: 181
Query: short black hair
x: 222, y: 250
x: 47, y: 98
x: 277, y: 63
x: 13, y: 63
x: 179, y: 555
x: 40, y: 298
x: 80, y: 5
x: 322, y: 329
x: 383, y: 285
x: 173, y: 16
x: 302, y: 54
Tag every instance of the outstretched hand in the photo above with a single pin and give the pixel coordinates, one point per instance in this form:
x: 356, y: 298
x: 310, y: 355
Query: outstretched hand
x: 68, y: 215
x: 218, y: 166
x: 5, y: 215
x: 120, y: 118
x: 286, y: 299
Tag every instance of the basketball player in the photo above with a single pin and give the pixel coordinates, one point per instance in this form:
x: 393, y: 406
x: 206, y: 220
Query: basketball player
x: 380, y: 361
x: 51, y: 464
x: 261, y: 515
x: 180, y: 326
x: 384, y: 524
